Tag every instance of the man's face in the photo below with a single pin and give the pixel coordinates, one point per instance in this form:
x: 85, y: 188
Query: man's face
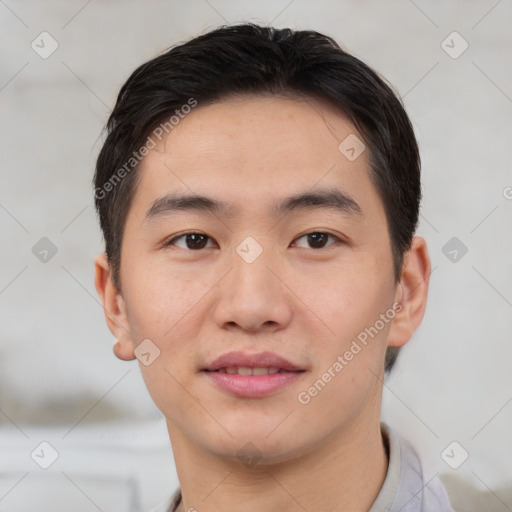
x: 251, y: 280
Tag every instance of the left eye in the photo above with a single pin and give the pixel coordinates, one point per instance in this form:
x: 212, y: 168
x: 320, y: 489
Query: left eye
x: 317, y: 239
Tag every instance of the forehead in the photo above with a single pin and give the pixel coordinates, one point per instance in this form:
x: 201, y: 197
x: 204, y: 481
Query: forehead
x: 250, y: 149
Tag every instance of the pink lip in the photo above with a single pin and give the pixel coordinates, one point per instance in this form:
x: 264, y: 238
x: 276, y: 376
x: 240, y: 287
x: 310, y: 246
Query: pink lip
x: 252, y: 386
x: 261, y: 360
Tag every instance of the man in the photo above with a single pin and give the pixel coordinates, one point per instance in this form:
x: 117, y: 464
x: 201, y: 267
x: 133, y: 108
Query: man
x: 258, y: 192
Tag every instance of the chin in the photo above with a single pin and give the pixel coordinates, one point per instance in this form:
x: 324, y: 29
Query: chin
x: 255, y: 446
x: 259, y: 454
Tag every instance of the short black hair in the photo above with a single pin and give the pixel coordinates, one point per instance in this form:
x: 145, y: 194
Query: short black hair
x: 247, y: 58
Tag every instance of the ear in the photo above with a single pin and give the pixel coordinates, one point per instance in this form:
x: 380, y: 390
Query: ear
x: 114, y: 308
x: 411, y: 293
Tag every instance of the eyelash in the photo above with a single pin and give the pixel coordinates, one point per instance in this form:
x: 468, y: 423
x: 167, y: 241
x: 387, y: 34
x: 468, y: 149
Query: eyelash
x: 172, y: 241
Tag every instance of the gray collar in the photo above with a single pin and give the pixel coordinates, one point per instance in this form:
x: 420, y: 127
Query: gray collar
x: 404, y: 488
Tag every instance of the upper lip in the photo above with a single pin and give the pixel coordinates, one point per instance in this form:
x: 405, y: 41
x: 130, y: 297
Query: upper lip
x: 245, y: 359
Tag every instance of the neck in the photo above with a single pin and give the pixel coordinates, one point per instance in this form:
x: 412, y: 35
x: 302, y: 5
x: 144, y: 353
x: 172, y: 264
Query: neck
x: 345, y: 473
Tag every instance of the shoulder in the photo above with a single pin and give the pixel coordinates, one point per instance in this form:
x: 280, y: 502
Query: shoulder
x: 415, y: 490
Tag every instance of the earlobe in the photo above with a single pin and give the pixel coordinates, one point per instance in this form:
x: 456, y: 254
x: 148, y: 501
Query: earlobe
x: 113, y: 308
x: 411, y: 293
x: 124, y: 351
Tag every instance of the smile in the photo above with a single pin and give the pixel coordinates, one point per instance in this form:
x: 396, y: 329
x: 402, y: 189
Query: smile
x: 245, y: 370
x: 251, y: 375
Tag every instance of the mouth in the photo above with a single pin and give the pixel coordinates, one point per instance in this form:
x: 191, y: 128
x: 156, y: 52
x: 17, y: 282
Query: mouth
x: 252, y: 375
x: 245, y: 362
x: 246, y: 370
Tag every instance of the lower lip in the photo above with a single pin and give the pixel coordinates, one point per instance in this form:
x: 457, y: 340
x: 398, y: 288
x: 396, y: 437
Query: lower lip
x: 253, y: 386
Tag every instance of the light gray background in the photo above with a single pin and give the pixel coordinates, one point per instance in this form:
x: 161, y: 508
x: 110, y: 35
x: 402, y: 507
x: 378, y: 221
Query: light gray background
x: 59, y: 381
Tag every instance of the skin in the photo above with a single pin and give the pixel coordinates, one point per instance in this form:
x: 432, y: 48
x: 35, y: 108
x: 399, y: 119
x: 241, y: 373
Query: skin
x: 305, y: 303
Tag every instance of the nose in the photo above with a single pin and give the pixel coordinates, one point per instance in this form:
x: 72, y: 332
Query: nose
x: 253, y: 298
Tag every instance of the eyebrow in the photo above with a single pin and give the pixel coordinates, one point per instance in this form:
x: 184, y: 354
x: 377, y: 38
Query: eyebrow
x: 332, y: 199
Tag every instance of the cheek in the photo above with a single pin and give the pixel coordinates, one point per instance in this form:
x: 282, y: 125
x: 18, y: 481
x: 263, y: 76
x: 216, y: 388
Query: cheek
x: 349, y: 299
x: 166, y: 310
x: 163, y: 306
x: 346, y: 379
x: 357, y: 307
x: 162, y: 300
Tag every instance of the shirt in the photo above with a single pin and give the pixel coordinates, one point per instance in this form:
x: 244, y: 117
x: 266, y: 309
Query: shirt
x: 405, y: 488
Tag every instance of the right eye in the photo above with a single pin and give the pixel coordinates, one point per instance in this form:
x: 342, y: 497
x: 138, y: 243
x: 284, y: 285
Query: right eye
x: 192, y: 240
